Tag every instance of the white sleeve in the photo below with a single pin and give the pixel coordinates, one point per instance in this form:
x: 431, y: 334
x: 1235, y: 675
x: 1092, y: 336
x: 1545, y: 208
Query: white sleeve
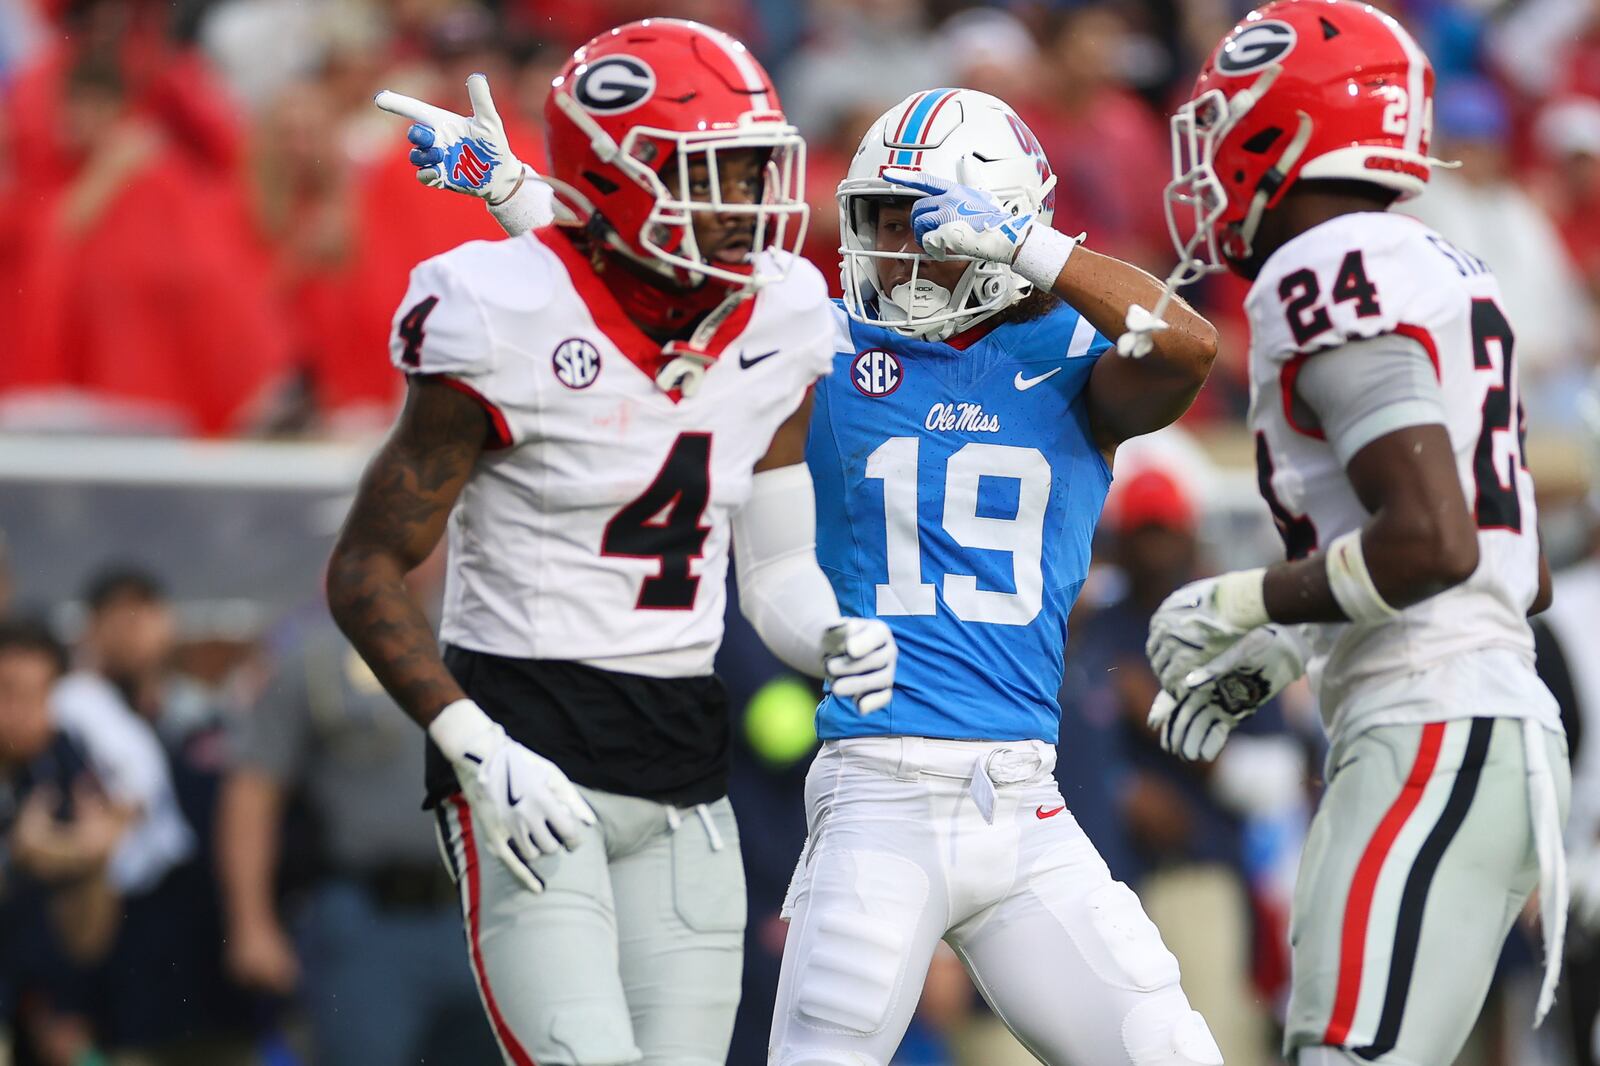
x: 441, y: 326
x: 1365, y: 389
x: 782, y: 591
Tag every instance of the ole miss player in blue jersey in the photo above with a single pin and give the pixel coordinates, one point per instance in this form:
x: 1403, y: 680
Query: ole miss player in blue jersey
x: 961, y: 451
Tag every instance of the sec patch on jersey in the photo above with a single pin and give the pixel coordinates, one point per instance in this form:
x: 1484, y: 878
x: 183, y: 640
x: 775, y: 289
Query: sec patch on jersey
x: 576, y: 363
x: 876, y: 372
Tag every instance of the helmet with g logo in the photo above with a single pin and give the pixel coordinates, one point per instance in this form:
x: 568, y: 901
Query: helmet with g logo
x: 1299, y: 90
x: 634, y: 109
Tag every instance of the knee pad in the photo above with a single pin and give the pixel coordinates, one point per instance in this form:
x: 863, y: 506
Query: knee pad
x: 1163, y: 1030
x: 862, y: 915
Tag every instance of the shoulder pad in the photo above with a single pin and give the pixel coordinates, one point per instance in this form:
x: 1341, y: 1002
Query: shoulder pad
x: 1352, y: 277
x: 445, y: 323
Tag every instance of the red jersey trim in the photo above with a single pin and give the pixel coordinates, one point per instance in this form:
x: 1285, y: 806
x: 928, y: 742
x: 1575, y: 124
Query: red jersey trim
x: 639, y: 348
x: 1286, y: 380
x: 967, y: 338
x: 1424, y: 338
x: 1291, y: 371
x: 500, y: 432
x: 603, y: 307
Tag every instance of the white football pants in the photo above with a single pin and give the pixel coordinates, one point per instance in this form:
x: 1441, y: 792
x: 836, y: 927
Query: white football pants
x: 915, y: 840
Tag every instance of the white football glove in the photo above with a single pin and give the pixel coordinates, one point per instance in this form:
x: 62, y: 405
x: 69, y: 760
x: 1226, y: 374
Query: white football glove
x: 465, y: 155
x: 858, y: 657
x: 1194, y: 719
x: 958, y: 220
x: 1198, y: 622
x: 1136, y: 343
x: 523, y: 801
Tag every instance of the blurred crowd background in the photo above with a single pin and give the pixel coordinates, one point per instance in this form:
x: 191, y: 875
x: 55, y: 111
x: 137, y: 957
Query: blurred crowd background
x: 211, y: 847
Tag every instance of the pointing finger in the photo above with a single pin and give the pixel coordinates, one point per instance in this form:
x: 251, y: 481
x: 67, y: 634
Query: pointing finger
x: 926, y: 183
x: 415, y: 110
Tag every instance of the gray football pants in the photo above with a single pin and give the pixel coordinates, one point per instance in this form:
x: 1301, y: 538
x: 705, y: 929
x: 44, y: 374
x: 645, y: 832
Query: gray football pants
x: 1419, y: 860
x: 631, y: 954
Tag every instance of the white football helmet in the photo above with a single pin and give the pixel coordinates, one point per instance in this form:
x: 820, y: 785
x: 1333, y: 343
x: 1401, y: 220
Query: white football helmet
x: 963, y: 136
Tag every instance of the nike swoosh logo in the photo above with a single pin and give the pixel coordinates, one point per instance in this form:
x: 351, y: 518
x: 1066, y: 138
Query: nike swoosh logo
x: 1042, y: 814
x: 511, y: 797
x: 1024, y: 384
x: 961, y: 209
x: 746, y: 362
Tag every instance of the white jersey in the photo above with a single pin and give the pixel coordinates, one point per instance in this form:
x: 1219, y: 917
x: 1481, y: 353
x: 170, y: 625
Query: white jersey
x: 1467, y: 651
x: 597, y: 530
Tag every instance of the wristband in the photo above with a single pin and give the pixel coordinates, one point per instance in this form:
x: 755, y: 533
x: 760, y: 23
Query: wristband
x: 1241, y: 599
x: 459, y: 728
x: 1352, y: 585
x: 1043, y: 255
x: 530, y: 205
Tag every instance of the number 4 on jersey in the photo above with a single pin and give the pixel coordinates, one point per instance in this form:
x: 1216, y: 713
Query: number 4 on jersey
x: 411, y: 330
x: 663, y: 523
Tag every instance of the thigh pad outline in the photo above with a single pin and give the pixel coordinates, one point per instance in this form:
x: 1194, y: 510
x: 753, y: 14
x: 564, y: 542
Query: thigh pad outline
x: 1105, y: 921
x: 864, y: 910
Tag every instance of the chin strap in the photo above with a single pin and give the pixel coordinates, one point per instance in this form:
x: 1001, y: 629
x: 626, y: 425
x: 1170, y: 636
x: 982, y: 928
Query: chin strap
x: 687, y: 361
x: 1271, y: 182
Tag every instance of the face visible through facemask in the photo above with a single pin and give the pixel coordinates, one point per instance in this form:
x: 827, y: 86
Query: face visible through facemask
x: 930, y: 291
x: 724, y: 238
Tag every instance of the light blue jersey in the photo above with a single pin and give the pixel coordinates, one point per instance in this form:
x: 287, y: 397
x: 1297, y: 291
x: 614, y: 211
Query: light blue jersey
x: 957, y: 496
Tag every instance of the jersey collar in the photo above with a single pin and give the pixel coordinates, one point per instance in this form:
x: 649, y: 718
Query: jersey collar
x: 640, y: 348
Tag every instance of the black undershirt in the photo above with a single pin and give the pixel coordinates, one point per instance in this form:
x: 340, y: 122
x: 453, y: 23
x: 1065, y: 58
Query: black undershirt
x: 659, y: 738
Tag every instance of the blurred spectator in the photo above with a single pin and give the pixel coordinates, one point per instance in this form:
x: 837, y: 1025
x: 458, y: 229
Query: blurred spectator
x: 162, y: 996
x: 128, y: 621
x: 377, y: 960
x: 137, y: 292
x: 1483, y: 209
x: 860, y: 50
x: 993, y: 51
x: 1186, y: 852
x: 1108, y: 149
x: 5, y: 578
x: 1547, y: 46
x: 58, y: 906
x: 347, y: 218
x: 266, y: 47
x: 1567, y: 135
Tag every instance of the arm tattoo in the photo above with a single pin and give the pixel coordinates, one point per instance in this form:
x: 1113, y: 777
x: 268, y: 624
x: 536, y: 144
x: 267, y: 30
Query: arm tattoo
x: 399, y: 514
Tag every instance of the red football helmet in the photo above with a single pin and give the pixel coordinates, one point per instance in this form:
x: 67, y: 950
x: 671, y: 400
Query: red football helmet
x: 645, y: 101
x: 1301, y: 89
